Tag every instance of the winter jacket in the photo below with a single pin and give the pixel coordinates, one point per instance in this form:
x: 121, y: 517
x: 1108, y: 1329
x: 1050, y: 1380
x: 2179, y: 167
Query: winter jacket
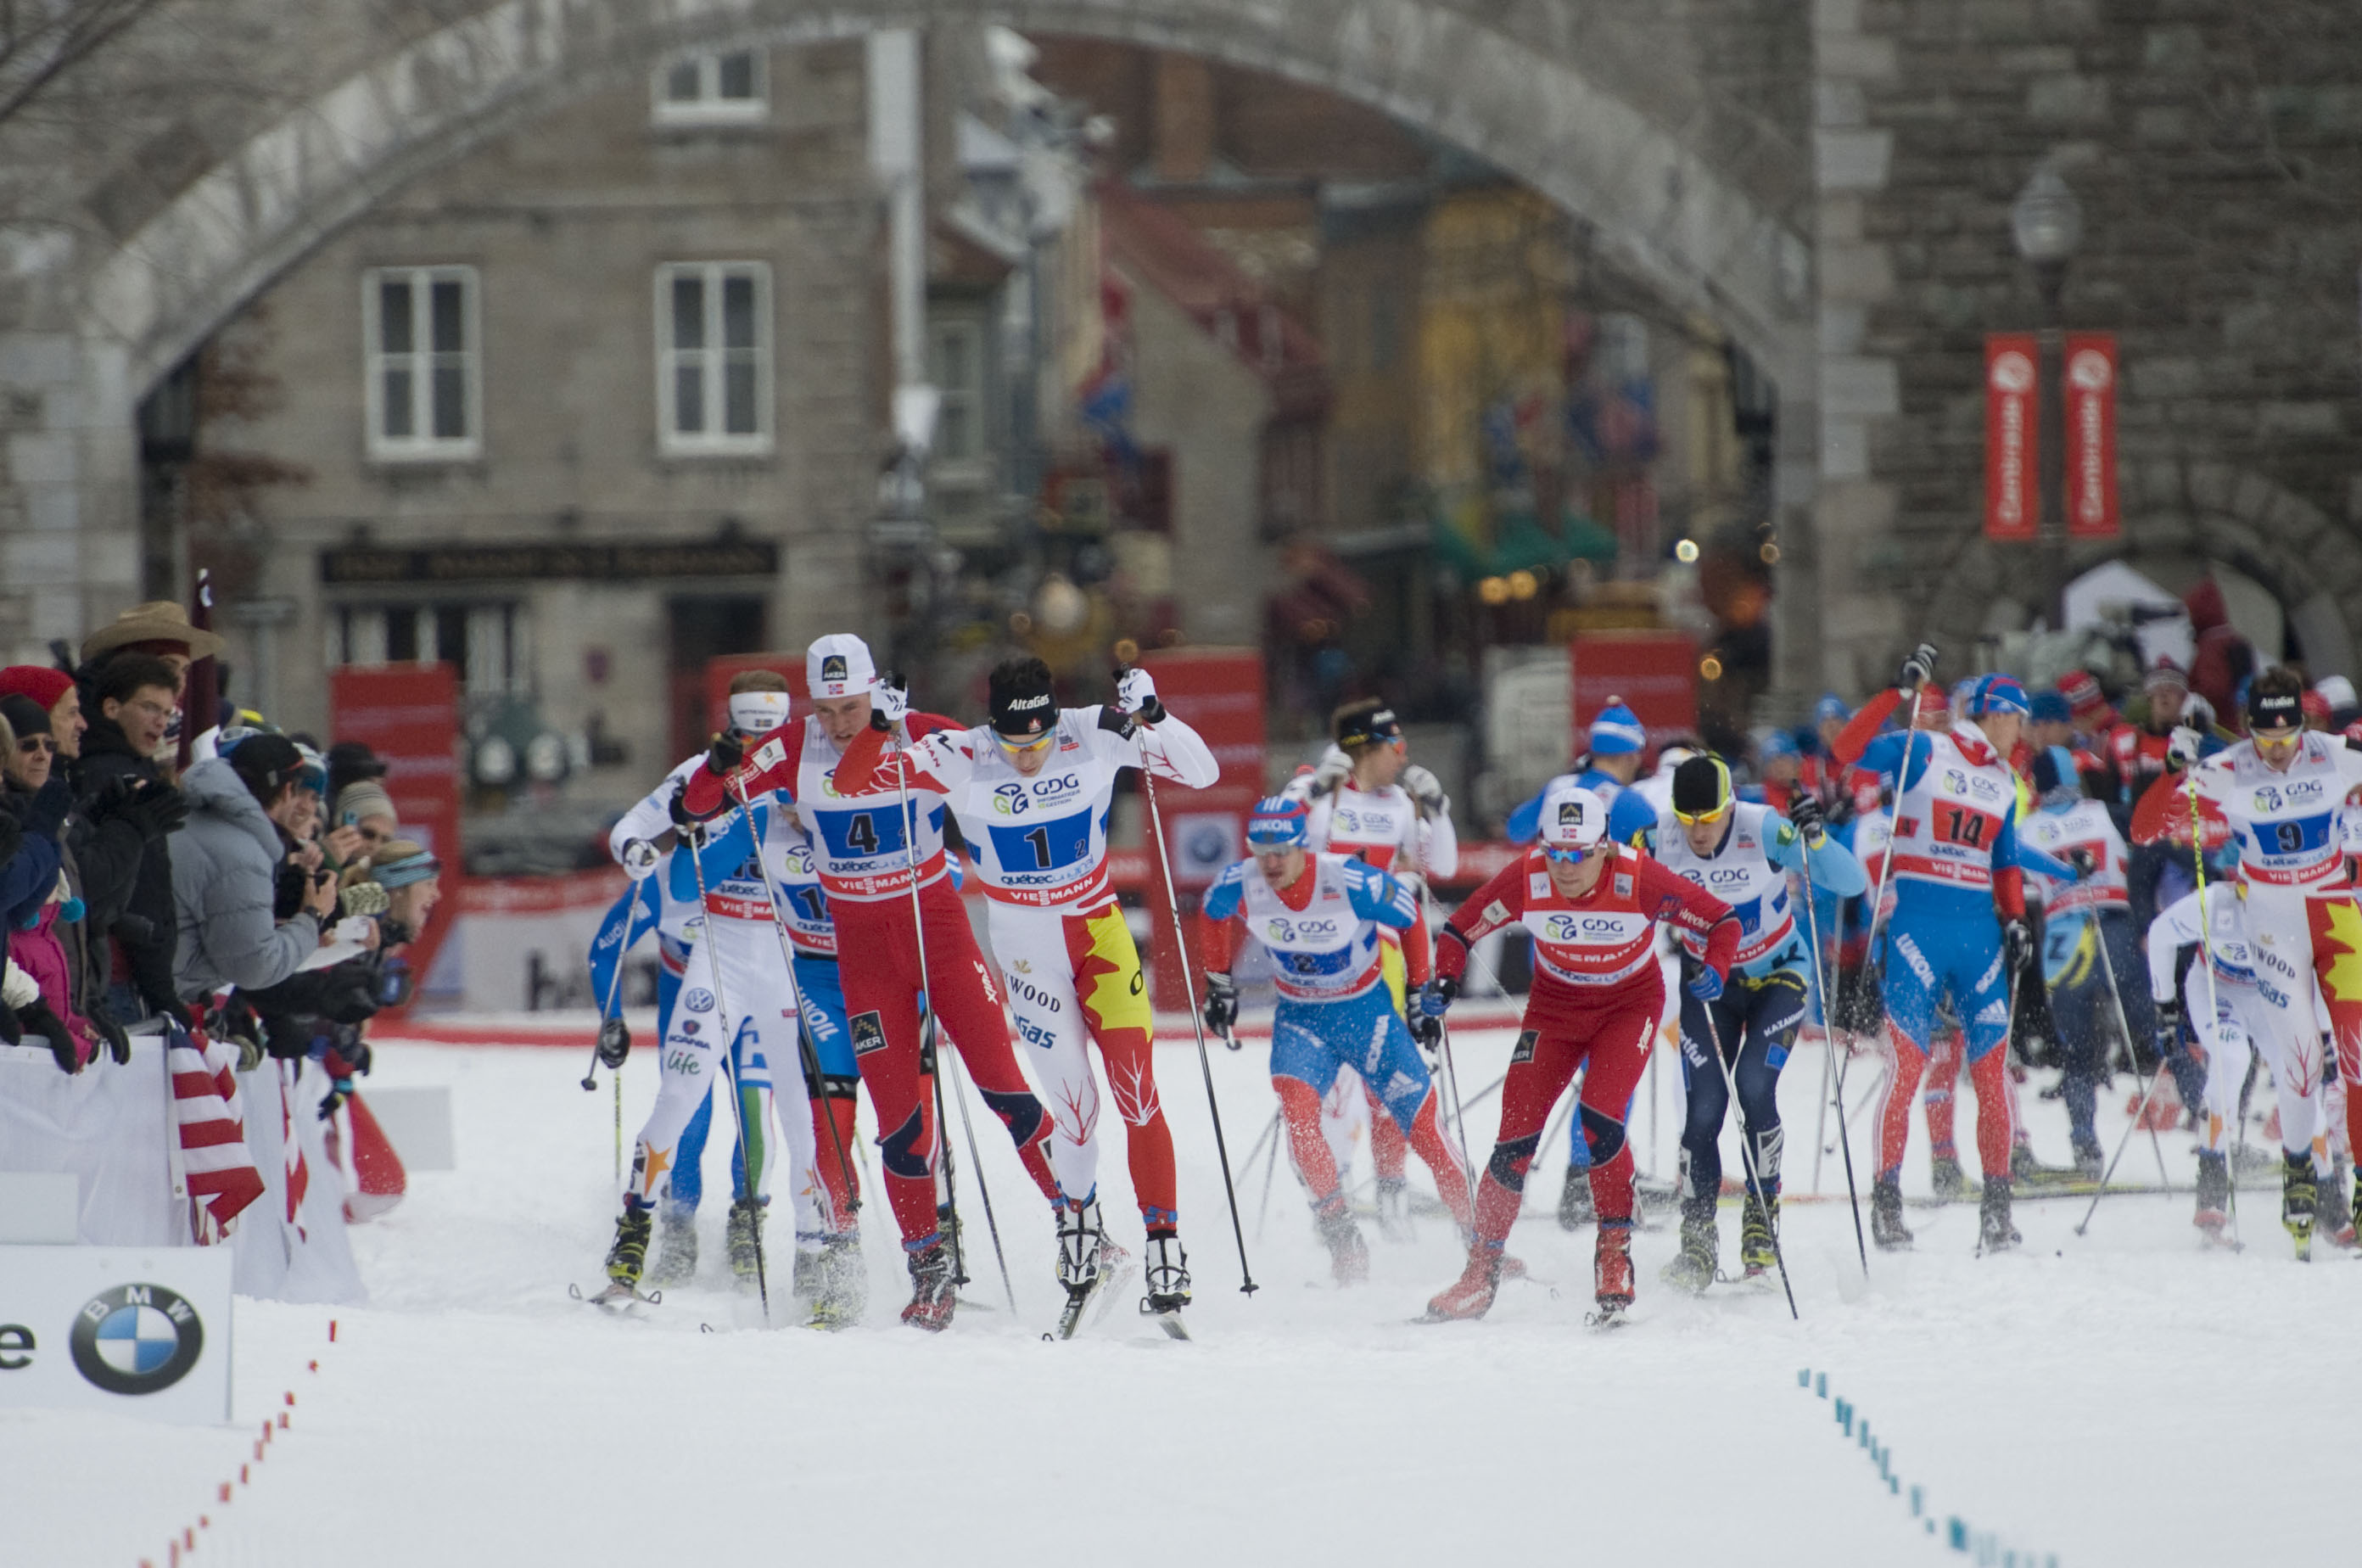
x: 127, y: 881
x: 225, y: 869
x: 83, y: 985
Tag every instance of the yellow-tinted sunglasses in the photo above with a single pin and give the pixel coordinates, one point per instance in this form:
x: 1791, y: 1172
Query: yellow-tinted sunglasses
x: 1036, y: 744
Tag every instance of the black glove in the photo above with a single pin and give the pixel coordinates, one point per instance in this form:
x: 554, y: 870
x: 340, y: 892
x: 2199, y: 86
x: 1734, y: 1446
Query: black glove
x: 12, y: 837
x: 1221, y: 1004
x: 676, y: 807
x: 339, y: 1092
x: 1116, y: 721
x: 725, y: 755
x: 2017, y: 942
x: 2169, y: 1025
x: 615, y: 1043
x: 356, y: 1052
x: 39, y: 1019
x: 11, y: 1029
x: 2082, y: 859
x: 1805, y: 814
x: 1919, y: 668
x: 1426, y: 1028
x: 118, y: 1043
x: 155, y: 809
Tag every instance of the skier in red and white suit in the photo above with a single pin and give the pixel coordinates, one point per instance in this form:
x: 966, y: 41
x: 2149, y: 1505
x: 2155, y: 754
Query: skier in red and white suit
x: 1593, y: 908
x: 870, y: 853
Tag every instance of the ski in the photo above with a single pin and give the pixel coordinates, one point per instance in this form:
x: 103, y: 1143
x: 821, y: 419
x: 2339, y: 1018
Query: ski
x: 618, y: 1300
x: 1168, y: 1320
x: 1606, y: 1318
x: 1070, y: 1317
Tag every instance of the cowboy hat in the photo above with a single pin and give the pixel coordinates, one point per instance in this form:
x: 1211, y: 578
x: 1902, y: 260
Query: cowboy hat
x: 158, y: 621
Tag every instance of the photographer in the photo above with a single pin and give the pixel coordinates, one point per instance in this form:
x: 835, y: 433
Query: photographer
x: 225, y: 873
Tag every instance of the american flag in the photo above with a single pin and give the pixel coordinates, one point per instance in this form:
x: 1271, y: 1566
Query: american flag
x: 212, y: 1123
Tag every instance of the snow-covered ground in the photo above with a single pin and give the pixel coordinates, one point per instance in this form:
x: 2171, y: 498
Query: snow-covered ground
x: 2123, y: 1398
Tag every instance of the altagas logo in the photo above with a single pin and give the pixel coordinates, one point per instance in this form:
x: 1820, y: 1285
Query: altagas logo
x: 136, y: 1339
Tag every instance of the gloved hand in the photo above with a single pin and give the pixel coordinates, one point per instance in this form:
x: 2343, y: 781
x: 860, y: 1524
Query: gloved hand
x: 2181, y: 747
x: 12, y: 837
x: 889, y: 701
x: 640, y: 859
x: 1919, y: 668
x: 1806, y: 815
x: 1221, y: 1009
x: 339, y: 1090
x: 2169, y: 1025
x: 1427, y: 1028
x: 1706, y: 984
x: 155, y: 809
x: 2017, y: 943
x: 1436, y: 997
x: 2083, y: 860
x: 51, y: 1029
x: 368, y: 899
x: 1135, y: 693
x: 1334, y: 770
x: 1426, y: 788
x: 725, y: 755
x: 677, y: 808
x: 118, y: 1043
x: 11, y: 1028
x: 615, y: 1043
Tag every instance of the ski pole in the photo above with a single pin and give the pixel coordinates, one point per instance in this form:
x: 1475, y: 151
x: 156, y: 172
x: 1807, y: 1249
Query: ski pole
x: 590, y: 1078
x: 1829, y: 1035
x: 927, y: 1014
x: 805, y: 1047
x: 1450, y: 1080
x: 1204, y: 1063
x: 1748, y: 1150
x: 730, y: 1064
x: 928, y: 1053
x: 2123, y: 1027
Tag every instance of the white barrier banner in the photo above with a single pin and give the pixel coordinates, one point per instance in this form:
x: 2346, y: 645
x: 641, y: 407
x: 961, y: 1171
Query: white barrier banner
x: 145, y: 1333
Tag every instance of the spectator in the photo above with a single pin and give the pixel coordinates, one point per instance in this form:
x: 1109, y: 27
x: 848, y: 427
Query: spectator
x: 2224, y: 660
x: 36, y: 891
x: 160, y: 629
x: 127, y: 707
x: 55, y: 691
x: 365, y: 807
x: 225, y: 871
x: 414, y: 886
x: 351, y: 763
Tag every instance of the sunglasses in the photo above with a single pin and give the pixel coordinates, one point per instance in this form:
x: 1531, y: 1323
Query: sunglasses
x: 1574, y: 856
x: 1692, y: 819
x: 31, y: 744
x: 1020, y: 746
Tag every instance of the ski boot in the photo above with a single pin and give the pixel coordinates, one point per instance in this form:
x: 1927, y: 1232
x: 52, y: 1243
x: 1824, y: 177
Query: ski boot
x: 2214, y: 1196
x: 1472, y: 1296
x: 1611, y: 1269
x: 745, y: 1240
x: 1349, y: 1255
x: 676, y: 1248
x: 2091, y: 1165
x: 1943, y: 1175
x: 2299, y: 1198
x: 1757, y: 1252
x: 1394, y: 1210
x: 1574, y: 1208
x: 2335, y: 1220
x: 1692, y: 1268
x: 1168, y: 1274
x: 1080, y: 1237
x: 1886, y: 1227
x: 2024, y: 1170
x: 1995, y: 1231
x: 629, y: 1256
x: 841, y: 1287
x: 933, y: 1293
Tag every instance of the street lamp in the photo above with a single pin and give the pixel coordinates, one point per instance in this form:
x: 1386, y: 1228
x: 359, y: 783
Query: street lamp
x: 2046, y: 223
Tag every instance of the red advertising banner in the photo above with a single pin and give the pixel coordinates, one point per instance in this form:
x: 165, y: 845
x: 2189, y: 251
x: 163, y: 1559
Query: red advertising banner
x: 409, y: 716
x: 2089, y: 387
x: 1654, y: 673
x: 2013, y: 438
x: 1221, y: 692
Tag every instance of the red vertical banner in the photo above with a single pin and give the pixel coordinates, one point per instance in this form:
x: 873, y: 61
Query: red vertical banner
x: 1219, y: 691
x: 1654, y: 673
x: 2089, y: 387
x: 409, y: 716
x: 2012, y: 437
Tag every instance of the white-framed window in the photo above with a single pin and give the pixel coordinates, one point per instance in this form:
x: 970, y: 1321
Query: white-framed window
x: 712, y: 87
x: 490, y: 642
x: 714, y: 359
x: 420, y: 341
x: 956, y: 350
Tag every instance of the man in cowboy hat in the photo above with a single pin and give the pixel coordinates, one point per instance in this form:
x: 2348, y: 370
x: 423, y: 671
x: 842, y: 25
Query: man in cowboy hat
x: 160, y: 627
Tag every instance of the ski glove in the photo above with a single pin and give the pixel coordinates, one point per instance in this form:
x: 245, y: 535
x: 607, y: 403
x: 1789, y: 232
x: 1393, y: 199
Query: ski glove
x: 1706, y: 985
x: 1426, y: 1028
x: 889, y: 701
x: 1919, y: 668
x: 2017, y: 942
x: 1135, y: 693
x: 2169, y: 1025
x: 2083, y: 860
x: 118, y: 1043
x: 155, y: 809
x: 615, y: 1043
x: 1222, y: 1005
x: 1805, y: 814
x: 640, y: 859
x: 39, y: 1019
x: 2181, y: 747
x: 725, y: 754
x: 1427, y: 790
x: 1436, y: 996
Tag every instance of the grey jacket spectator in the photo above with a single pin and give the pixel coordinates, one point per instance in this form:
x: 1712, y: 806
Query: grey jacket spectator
x: 224, y: 872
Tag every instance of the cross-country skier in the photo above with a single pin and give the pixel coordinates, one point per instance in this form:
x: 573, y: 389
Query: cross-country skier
x: 2078, y: 916
x: 1370, y: 801
x: 874, y: 849
x: 1958, y: 926
x: 1742, y: 854
x: 2282, y: 791
x: 1592, y: 907
x: 1032, y: 790
x: 1320, y: 915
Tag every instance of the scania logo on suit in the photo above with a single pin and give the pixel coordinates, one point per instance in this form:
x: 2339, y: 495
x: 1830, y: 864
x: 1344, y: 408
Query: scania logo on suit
x: 136, y: 1339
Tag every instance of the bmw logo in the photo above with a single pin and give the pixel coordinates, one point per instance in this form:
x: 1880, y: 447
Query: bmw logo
x: 136, y: 1339
x: 698, y: 1000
